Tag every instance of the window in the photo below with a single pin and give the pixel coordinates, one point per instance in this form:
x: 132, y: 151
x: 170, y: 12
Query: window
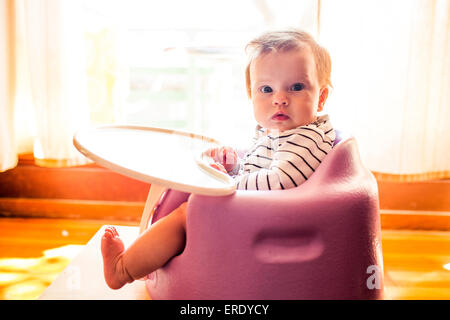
x: 179, y: 64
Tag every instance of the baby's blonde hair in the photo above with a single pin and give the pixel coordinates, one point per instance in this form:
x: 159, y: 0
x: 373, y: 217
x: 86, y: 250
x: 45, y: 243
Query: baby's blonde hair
x: 293, y: 39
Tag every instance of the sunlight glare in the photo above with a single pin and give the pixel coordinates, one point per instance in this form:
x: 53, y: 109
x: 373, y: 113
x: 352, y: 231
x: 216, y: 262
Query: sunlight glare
x: 68, y: 251
x: 11, y: 277
x: 18, y: 263
x: 28, y: 290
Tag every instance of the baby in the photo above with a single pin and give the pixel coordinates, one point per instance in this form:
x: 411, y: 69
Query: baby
x: 288, y: 80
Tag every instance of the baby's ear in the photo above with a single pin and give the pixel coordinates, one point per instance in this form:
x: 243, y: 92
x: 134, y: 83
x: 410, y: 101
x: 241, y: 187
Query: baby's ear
x: 322, y: 98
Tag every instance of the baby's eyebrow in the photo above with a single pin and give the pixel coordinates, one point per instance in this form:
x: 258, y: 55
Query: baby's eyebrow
x: 302, y: 77
x: 264, y: 81
x: 302, y: 80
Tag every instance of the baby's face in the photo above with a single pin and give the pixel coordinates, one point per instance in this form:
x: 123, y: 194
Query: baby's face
x: 285, y: 89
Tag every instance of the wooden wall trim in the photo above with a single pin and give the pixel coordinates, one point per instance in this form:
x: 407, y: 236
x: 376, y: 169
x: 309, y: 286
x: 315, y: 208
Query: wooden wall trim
x: 93, y: 182
x: 415, y: 220
x: 423, y: 196
x: 82, y: 183
x: 71, y: 209
x: 93, y: 192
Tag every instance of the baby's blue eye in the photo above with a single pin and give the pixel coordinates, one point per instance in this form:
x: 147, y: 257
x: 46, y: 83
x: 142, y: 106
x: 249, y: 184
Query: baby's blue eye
x: 266, y: 89
x: 297, y: 87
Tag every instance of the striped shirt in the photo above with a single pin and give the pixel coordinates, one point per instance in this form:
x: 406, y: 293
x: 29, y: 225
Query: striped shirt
x: 287, y: 159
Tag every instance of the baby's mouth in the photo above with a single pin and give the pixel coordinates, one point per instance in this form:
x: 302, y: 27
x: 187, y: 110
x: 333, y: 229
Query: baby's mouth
x: 280, y: 116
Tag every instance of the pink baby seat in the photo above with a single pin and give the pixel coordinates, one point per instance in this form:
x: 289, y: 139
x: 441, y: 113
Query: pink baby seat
x: 320, y: 240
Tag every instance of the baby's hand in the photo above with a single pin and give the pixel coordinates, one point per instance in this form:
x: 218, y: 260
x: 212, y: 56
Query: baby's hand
x: 226, y: 157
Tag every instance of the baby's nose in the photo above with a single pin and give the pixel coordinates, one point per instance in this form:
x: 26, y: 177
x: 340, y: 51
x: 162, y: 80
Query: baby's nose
x: 280, y: 99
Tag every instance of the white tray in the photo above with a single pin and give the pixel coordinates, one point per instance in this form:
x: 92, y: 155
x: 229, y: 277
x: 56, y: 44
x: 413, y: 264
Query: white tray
x: 167, y: 158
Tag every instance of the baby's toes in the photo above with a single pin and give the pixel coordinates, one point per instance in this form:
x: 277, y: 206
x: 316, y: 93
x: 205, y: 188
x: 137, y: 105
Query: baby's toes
x: 111, y: 231
x: 111, y: 242
x: 109, y: 234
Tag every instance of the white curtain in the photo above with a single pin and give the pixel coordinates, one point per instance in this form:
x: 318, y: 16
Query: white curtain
x: 47, y: 101
x: 391, y: 63
x: 8, y: 158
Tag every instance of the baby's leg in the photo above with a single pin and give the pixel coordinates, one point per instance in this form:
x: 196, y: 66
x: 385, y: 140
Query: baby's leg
x: 165, y: 239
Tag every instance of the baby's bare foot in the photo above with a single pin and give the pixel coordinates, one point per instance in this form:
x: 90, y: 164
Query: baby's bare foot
x: 112, y: 247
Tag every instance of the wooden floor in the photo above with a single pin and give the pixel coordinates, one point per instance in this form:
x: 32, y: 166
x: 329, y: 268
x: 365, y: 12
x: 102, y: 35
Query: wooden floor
x: 34, y: 251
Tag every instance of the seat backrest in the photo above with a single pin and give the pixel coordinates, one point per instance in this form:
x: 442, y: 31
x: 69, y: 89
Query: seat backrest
x: 340, y: 136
